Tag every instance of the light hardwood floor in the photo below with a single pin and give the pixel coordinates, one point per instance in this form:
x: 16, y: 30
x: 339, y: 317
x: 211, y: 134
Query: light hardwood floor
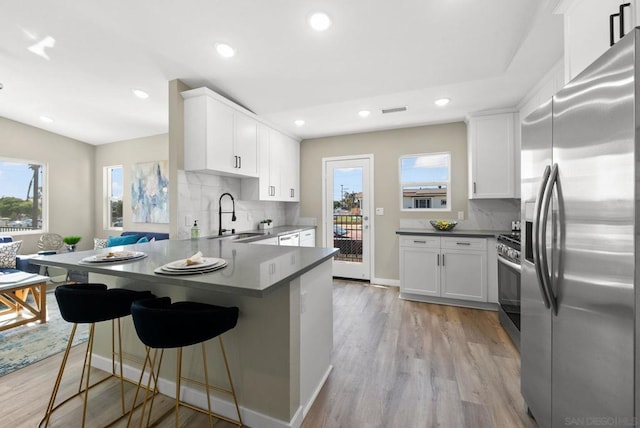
x: 396, y: 364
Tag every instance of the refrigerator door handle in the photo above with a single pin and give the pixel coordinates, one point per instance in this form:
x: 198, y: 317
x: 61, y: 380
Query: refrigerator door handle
x: 536, y: 240
x: 543, y: 237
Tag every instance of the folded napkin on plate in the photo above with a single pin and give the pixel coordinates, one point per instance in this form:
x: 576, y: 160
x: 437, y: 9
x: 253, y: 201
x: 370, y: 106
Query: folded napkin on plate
x: 196, y: 259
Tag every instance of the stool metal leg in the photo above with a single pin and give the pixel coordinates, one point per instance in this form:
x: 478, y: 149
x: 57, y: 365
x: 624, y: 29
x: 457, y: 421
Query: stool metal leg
x: 153, y: 376
x: 206, y: 383
x: 178, y: 379
x: 56, y: 385
x: 86, y: 373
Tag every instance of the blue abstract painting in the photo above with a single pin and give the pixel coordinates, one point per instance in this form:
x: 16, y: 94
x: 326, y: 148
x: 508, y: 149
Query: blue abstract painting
x: 150, y: 192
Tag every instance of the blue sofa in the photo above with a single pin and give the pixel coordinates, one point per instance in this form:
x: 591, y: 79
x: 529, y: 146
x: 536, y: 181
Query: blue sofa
x: 159, y: 236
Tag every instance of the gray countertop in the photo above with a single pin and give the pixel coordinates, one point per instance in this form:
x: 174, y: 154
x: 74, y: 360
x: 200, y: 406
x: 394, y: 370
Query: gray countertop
x: 253, y: 270
x: 454, y: 232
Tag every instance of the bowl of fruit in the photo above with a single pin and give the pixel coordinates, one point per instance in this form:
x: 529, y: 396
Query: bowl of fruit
x: 443, y: 225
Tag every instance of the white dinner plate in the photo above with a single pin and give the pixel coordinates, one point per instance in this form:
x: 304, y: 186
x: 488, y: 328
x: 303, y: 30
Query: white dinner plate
x: 114, y: 256
x: 182, y: 264
x: 213, y: 268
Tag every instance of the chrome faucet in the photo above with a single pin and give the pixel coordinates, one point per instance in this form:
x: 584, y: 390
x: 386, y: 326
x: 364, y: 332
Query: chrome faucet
x: 220, y: 212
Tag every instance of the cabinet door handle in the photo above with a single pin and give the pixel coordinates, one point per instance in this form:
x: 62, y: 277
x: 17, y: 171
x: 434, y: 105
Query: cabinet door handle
x: 438, y: 260
x: 463, y: 243
x: 621, y: 11
x: 235, y: 161
x: 292, y: 192
x: 443, y: 260
x: 474, y: 187
x: 611, y: 31
x: 239, y: 161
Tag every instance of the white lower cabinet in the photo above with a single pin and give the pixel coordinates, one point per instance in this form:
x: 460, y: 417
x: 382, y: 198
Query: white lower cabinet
x: 267, y: 241
x: 308, y: 238
x: 451, y: 268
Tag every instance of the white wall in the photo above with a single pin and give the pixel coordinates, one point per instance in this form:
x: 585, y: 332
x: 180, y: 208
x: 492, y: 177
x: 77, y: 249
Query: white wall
x: 70, y: 186
x: 126, y: 153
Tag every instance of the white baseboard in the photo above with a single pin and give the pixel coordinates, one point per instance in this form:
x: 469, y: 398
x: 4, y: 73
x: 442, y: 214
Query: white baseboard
x: 385, y: 281
x: 313, y: 397
x: 487, y: 306
x: 250, y: 418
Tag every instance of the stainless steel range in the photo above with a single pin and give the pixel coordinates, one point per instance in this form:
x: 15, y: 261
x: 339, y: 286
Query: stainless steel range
x: 508, y: 247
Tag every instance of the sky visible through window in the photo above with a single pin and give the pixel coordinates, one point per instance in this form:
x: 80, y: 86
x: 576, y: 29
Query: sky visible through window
x: 347, y: 180
x: 116, y: 182
x: 15, y: 179
x: 428, y: 168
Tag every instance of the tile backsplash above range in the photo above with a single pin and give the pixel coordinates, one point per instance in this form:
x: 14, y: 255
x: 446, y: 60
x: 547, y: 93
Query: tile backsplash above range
x: 483, y: 214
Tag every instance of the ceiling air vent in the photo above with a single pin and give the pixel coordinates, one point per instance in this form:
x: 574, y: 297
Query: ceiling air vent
x: 394, y: 110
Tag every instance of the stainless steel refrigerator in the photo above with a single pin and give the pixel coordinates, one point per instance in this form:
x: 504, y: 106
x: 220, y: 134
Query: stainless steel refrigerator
x: 580, y: 206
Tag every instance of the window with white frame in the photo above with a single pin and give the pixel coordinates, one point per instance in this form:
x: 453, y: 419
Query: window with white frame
x: 22, y: 195
x: 425, y: 182
x: 113, y: 200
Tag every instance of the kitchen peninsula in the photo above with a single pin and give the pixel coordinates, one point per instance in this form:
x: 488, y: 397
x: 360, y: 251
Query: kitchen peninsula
x: 280, y: 350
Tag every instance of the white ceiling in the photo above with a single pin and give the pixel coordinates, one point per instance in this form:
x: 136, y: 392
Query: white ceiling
x: 378, y: 54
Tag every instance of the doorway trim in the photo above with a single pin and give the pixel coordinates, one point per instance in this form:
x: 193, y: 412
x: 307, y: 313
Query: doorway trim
x: 325, y: 220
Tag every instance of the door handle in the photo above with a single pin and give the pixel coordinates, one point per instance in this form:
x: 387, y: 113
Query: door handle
x: 536, y: 240
x: 546, y: 277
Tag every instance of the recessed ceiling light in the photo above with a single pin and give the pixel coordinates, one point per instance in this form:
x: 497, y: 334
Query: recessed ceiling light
x: 442, y: 102
x: 364, y: 113
x: 140, y: 94
x: 299, y: 122
x: 224, y: 50
x: 46, y: 119
x: 319, y: 21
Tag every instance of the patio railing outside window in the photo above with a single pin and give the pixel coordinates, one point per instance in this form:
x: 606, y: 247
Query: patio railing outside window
x: 347, y: 237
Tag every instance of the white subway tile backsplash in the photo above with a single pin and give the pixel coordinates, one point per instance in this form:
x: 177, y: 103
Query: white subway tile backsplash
x: 198, y: 196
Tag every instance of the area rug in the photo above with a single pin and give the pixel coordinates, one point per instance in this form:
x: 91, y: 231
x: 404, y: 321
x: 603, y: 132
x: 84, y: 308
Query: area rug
x: 27, y: 344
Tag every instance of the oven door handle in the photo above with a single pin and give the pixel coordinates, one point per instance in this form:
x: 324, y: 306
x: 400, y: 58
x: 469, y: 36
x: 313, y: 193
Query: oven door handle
x: 536, y: 236
x: 509, y: 263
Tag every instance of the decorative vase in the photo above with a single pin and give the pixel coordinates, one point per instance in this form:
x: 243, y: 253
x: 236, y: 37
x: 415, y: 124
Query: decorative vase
x: 265, y: 226
x: 71, y: 247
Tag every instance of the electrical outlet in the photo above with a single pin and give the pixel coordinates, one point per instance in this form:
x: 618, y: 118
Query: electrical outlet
x: 460, y: 215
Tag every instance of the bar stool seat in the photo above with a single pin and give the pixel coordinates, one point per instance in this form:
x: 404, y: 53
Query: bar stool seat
x: 161, y: 324
x: 89, y: 303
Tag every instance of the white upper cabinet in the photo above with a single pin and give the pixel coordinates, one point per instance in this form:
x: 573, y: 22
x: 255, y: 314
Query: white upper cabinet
x: 219, y: 136
x: 587, y: 29
x: 290, y: 169
x: 278, y: 168
x: 246, y: 144
x: 493, y: 156
x: 267, y: 186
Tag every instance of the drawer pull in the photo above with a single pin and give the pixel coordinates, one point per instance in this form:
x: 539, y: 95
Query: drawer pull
x: 463, y: 243
x: 419, y: 242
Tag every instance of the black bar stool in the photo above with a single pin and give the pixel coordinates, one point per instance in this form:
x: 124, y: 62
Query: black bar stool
x: 88, y: 304
x: 161, y: 325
